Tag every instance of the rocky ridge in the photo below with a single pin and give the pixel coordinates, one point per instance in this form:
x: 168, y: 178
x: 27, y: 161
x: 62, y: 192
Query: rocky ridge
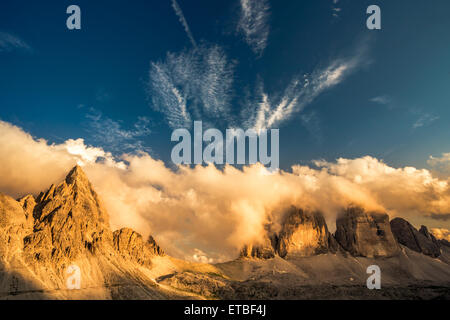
x: 420, y: 241
x: 305, y: 233
x: 67, y: 224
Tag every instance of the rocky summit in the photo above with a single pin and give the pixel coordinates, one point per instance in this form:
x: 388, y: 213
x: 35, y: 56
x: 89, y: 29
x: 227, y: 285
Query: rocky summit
x: 420, y: 241
x: 66, y: 228
x: 66, y: 225
x: 366, y: 234
x: 303, y: 233
x: 69, y: 219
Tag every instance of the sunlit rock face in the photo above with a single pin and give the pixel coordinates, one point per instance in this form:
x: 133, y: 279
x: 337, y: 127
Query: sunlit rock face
x: 67, y: 226
x: 263, y: 250
x: 131, y: 246
x: 420, y: 241
x: 28, y: 204
x: 69, y: 219
x: 64, y: 226
x: 13, y: 227
x: 303, y: 233
x: 366, y: 234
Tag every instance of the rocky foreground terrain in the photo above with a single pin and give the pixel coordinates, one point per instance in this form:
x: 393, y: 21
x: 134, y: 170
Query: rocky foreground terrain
x: 41, y: 237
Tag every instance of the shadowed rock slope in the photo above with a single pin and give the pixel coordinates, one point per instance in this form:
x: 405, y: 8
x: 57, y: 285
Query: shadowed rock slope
x: 419, y: 241
x: 365, y: 234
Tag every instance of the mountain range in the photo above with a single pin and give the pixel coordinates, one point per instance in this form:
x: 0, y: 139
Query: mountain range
x: 299, y: 258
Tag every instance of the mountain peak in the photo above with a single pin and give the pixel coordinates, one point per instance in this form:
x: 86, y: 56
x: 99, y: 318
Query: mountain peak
x: 70, y: 219
x: 76, y: 174
x: 303, y: 233
x: 418, y: 240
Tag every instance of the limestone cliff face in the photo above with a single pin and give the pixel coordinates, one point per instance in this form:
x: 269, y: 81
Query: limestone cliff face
x: 263, y: 250
x: 366, y: 234
x: 28, y: 204
x: 66, y: 225
x: 131, y: 246
x: 13, y: 227
x: 419, y: 241
x: 69, y: 220
x: 11, y: 213
x: 303, y: 233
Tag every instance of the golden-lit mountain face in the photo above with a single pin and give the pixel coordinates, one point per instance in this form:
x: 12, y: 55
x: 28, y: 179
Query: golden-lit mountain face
x: 68, y: 220
x: 65, y: 229
x: 68, y: 225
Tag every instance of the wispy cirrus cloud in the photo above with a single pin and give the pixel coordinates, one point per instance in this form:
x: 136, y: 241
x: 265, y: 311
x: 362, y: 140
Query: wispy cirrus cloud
x: 183, y: 21
x: 9, y: 42
x: 253, y: 23
x: 272, y: 110
x: 198, y: 84
x: 192, y: 84
x: 336, y: 9
x: 111, y: 135
x: 424, y: 120
x: 383, y: 99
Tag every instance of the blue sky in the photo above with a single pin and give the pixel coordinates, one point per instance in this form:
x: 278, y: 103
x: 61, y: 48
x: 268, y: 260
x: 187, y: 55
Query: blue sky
x: 383, y: 93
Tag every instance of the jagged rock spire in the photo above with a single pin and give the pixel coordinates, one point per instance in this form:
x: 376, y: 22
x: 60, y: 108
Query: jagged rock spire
x: 419, y: 241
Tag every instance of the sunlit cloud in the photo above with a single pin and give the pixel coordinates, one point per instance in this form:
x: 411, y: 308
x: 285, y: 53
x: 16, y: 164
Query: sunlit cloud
x: 440, y: 164
x: 206, y: 213
x: 441, y: 233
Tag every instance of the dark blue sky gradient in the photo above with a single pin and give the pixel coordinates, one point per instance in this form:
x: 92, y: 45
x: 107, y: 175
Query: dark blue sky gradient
x: 49, y: 89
